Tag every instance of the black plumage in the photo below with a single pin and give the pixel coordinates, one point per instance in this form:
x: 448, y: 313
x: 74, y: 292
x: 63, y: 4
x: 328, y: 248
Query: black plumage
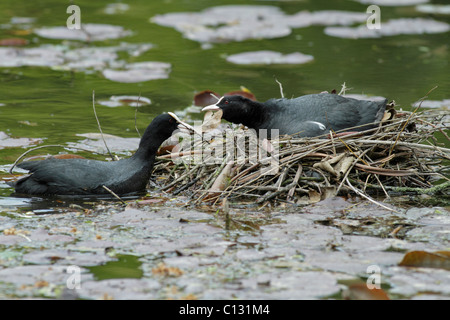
x: 88, y: 177
x: 306, y: 116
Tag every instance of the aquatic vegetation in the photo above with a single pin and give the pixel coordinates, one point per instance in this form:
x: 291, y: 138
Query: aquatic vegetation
x: 243, y: 22
x: 269, y: 57
x: 89, y: 59
x: 390, y: 28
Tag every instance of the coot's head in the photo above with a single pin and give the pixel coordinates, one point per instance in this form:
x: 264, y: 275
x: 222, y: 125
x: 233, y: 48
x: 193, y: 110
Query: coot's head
x: 161, y: 128
x: 236, y: 109
x: 164, y: 125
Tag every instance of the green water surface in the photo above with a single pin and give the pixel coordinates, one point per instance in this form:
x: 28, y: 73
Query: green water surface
x: 58, y: 104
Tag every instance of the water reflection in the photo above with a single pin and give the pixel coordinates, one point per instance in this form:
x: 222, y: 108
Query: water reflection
x: 13, y: 202
x: 22, y: 204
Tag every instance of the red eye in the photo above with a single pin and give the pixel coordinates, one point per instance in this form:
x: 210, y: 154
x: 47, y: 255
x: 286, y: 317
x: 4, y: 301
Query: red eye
x: 226, y: 102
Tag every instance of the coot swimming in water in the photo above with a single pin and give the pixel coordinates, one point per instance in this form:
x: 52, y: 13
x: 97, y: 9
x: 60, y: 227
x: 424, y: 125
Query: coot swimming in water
x: 88, y: 177
x: 306, y: 116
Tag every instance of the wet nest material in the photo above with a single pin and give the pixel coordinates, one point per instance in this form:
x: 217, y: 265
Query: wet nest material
x: 402, y: 156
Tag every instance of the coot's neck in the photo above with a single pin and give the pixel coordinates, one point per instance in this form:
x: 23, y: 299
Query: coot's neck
x: 148, y: 146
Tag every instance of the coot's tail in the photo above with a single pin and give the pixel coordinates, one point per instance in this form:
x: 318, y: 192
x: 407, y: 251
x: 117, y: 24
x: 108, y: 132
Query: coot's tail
x: 371, y: 113
x: 27, y: 185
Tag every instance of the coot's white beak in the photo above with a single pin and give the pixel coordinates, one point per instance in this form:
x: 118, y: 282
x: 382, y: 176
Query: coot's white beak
x: 212, y: 107
x: 182, y: 125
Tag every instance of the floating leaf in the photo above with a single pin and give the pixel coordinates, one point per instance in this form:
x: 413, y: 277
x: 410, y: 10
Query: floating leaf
x: 206, y: 98
x: 360, y: 291
x: 40, y: 57
x: 132, y: 101
x: 88, y: 32
x: 390, y: 28
x: 163, y: 270
x: 7, y: 142
x: 434, y: 8
x: 22, y: 20
x: 60, y: 57
x: 434, y: 104
x: 245, y: 93
x: 269, y: 57
x: 94, y: 143
x: 364, y: 97
x: 115, y: 8
x: 28, y: 123
x: 392, y: 2
x: 13, y: 42
x: 139, y: 72
x: 21, y: 32
x: 424, y: 259
x: 242, y: 22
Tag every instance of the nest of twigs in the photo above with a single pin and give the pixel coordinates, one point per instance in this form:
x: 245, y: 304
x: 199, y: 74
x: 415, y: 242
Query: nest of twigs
x: 399, y: 157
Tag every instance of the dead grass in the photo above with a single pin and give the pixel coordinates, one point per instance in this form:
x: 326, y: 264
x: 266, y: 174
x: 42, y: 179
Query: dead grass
x: 401, y: 156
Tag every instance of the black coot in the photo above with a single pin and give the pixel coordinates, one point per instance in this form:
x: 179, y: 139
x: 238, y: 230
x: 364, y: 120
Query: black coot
x: 306, y: 116
x: 87, y: 177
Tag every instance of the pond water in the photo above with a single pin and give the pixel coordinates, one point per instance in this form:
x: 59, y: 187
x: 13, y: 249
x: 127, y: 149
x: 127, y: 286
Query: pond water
x: 54, y: 105
x: 46, y: 96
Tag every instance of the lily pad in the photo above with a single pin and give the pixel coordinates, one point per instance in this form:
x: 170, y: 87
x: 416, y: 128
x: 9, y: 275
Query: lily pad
x: 392, y: 3
x: 88, y: 32
x: 243, y: 22
x: 295, y: 255
x: 364, y: 97
x: 99, y: 58
x: 391, y: 28
x: 434, y: 8
x: 65, y: 257
x: 208, y: 97
x: 119, y: 289
x: 115, y: 8
x: 139, y: 72
x: 411, y: 281
x: 45, y: 56
x: 8, y: 142
x: 325, y: 18
x: 434, y: 104
x: 13, y: 42
x: 60, y: 57
x: 269, y: 57
x: 132, y: 101
x: 29, y: 275
x: 22, y: 20
x: 424, y: 259
x: 37, y: 238
x: 94, y: 143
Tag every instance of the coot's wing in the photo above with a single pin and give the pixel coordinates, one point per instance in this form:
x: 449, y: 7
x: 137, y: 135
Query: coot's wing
x: 305, y: 114
x: 349, y: 112
x: 302, y: 116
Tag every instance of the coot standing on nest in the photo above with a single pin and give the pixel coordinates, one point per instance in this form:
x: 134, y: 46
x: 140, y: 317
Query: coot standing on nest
x: 90, y: 177
x: 306, y: 116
